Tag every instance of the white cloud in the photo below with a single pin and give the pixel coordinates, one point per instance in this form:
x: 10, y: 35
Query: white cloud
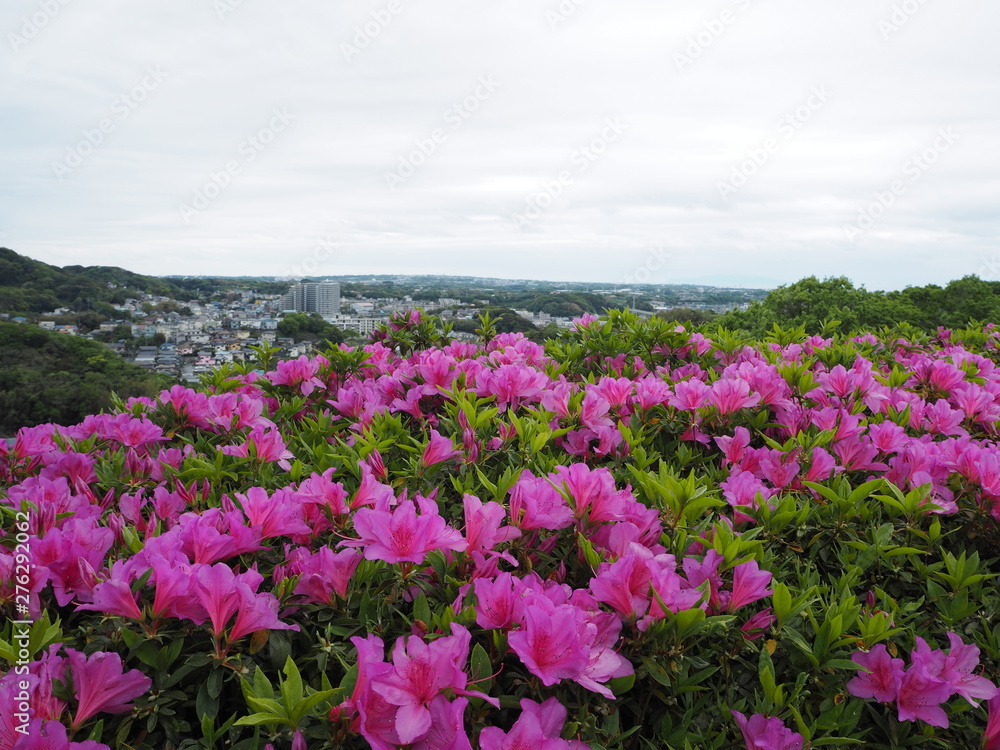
x: 655, y: 186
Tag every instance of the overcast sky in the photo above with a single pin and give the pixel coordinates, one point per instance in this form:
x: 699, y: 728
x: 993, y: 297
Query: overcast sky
x: 749, y: 142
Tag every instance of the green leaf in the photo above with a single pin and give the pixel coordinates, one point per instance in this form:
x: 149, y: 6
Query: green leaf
x: 422, y: 610
x: 268, y: 705
x: 257, y: 719
x: 621, y: 685
x: 291, y: 688
x: 315, y: 699
x: 481, y: 669
x: 836, y: 741
x: 261, y: 685
x: 842, y: 664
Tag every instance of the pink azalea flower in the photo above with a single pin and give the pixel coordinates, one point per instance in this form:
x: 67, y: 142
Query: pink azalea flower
x: 537, y: 728
x: 690, y: 395
x: 625, y: 583
x: 821, y: 466
x: 438, y: 450
x: 101, y: 686
x: 512, y: 384
x: 62, y: 549
x: 744, y: 488
x: 324, y: 573
x: 887, y: 437
x: 299, y: 374
x: 51, y: 735
x: 601, y: 631
x: 671, y: 591
x: 556, y: 399
x: 548, y: 643
x: 174, y: 595
x: 733, y: 446
x: 370, y: 662
x: 651, y: 391
x: 447, y: 730
x: 223, y: 593
x: 920, y: 696
x: 881, y: 678
x: 401, y: 535
x: 594, y: 411
x: 955, y: 668
x: 617, y: 392
x: 536, y: 504
x: 991, y: 737
x: 133, y: 433
x: 767, y: 733
x: 421, y: 672
x: 114, y: 596
x: 190, y: 406
x: 230, y: 412
x: 484, y: 530
x: 754, y: 627
x: 749, y: 585
x: 780, y: 469
x: 498, y: 602
x: 730, y: 396
x: 277, y: 514
x: 265, y: 446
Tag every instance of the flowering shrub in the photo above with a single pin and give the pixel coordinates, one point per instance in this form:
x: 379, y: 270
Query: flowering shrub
x: 634, y: 537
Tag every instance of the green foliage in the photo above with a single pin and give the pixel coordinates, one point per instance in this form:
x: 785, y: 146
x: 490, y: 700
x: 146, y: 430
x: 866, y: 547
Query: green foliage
x: 52, y: 377
x: 309, y: 327
x: 813, y: 303
x: 688, y: 315
x: 30, y: 286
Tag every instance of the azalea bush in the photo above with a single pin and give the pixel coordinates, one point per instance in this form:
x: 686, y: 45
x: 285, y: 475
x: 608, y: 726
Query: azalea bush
x: 636, y: 536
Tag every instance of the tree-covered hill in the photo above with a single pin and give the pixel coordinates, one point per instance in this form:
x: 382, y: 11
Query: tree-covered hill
x: 51, y: 377
x: 811, y: 302
x: 30, y: 286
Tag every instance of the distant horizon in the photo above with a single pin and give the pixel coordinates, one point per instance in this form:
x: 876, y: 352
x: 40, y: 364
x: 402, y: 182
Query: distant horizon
x: 359, y: 277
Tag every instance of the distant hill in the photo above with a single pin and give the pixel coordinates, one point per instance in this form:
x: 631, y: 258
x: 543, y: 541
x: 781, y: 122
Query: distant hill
x: 30, y: 286
x: 52, y: 377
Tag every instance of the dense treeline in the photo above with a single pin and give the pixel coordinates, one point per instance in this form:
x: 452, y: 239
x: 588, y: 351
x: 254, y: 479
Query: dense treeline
x: 561, y: 304
x: 30, y: 286
x: 813, y: 303
x: 309, y: 327
x: 51, y: 377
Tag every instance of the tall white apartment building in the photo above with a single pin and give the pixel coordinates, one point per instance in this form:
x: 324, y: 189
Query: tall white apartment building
x: 322, y: 297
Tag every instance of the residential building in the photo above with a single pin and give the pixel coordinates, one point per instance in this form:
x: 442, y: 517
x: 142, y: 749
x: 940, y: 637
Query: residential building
x: 321, y: 297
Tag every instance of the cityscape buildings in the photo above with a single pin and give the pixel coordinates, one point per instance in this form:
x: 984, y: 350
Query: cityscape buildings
x: 321, y: 297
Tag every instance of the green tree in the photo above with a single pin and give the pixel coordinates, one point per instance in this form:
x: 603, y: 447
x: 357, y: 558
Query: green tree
x: 51, y: 377
x: 309, y: 327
